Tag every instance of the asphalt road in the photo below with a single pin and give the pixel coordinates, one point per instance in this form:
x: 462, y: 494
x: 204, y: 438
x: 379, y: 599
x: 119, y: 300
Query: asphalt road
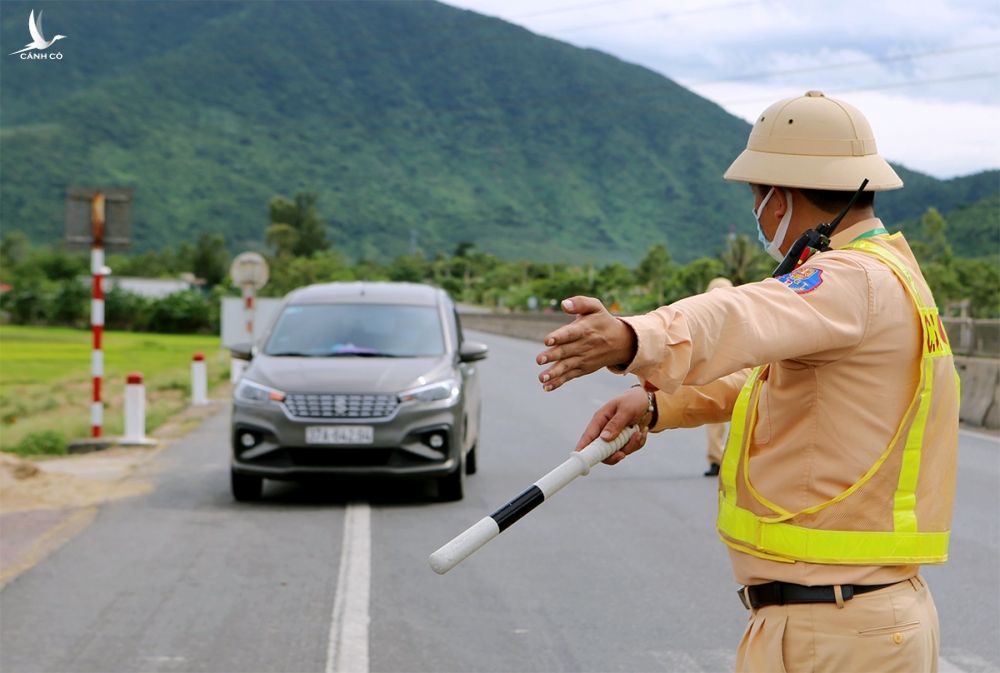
x: 621, y: 571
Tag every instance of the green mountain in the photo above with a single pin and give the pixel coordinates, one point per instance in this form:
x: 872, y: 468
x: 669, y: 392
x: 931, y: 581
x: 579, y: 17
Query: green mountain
x: 410, y: 120
x: 973, y: 229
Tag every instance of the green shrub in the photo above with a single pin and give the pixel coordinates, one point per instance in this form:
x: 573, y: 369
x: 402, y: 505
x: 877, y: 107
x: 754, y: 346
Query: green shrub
x: 70, y: 304
x: 27, y: 304
x: 185, y: 312
x: 124, y: 310
x: 44, y: 442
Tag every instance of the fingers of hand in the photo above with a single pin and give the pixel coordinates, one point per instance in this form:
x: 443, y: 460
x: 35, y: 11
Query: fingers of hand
x: 635, y: 442
x: 614, y: 458
x: 581, y: 305
x: 555, y: 354
x: 561, y: 372
x: 564, y: 335
x: 582, y: 346
x: 597, y: 422
x: 622, y: 417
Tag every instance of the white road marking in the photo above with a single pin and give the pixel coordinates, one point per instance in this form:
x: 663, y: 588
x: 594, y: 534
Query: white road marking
x: 165, y: 661
x: 348, y: 648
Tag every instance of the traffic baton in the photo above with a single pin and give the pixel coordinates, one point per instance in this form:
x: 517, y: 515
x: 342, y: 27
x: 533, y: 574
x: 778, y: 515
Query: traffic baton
x: 578, y: 464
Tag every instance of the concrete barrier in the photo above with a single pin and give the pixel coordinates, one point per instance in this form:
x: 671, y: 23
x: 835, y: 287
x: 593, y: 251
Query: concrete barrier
x: 973, y: 337
x: 980, y: 375
x: 980, y: 391
x: 531, y: 326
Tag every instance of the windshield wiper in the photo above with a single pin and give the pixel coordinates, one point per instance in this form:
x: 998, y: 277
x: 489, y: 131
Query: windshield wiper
x: 338, y: 354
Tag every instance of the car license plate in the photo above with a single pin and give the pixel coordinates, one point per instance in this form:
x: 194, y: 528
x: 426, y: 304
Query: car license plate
x: 339, y: 434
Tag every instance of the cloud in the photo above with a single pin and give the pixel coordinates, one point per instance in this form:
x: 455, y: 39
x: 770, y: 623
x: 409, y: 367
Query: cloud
x: 943, y: 139
x: 732, y: 51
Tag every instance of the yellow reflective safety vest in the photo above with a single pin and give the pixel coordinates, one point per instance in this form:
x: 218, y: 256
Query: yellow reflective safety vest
x: 890, y: 516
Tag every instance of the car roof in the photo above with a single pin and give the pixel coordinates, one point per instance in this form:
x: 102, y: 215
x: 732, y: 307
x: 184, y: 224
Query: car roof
x: 413, y: 294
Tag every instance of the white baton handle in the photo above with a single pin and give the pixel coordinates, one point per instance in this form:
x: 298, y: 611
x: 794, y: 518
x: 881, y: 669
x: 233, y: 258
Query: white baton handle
x: 474, y: 537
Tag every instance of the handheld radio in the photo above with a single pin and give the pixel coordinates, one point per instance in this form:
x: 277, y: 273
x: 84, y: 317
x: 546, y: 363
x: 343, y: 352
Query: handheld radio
x: 815, y: 240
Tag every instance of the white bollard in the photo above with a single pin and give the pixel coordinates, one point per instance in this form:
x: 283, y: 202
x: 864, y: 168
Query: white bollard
x: 135, y: 410
x: 199, y: 380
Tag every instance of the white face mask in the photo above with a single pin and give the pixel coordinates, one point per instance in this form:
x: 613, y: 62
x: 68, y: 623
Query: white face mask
x: 773, y: 248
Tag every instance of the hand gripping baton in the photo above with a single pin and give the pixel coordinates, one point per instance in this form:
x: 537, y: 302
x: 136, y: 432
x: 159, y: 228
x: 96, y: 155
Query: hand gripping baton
x: 474, y: 537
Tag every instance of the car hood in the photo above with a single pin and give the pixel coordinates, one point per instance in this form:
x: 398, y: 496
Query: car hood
x: 347, y: 375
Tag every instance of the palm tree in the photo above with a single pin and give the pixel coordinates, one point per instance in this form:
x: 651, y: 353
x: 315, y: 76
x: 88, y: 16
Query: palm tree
x: 745, y: 262
x: 656, y: 271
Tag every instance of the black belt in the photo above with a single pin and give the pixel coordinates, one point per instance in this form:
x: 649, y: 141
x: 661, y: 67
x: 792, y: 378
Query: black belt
x: 783, y: 593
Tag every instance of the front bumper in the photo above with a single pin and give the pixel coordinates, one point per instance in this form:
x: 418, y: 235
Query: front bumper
x: 400, y: 446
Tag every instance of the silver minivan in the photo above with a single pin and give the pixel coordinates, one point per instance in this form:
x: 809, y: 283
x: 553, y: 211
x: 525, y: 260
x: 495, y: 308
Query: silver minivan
x: 358, y: 379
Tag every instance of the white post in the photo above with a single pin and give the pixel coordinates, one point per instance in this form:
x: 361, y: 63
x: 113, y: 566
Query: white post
x: 135, y: 410
x: 199, y: 380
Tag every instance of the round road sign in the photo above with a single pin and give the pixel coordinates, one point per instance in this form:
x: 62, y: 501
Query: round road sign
x: 249, y: 268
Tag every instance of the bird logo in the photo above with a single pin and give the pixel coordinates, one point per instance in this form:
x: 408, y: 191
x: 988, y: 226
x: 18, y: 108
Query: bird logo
x: 38, y: 40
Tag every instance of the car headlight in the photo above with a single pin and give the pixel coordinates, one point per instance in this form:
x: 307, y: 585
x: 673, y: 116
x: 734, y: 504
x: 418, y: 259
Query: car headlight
x: 255, y: 393
x: 442, y: 390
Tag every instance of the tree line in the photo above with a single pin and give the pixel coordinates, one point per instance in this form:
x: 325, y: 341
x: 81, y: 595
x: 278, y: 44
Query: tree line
x: 46, y: 284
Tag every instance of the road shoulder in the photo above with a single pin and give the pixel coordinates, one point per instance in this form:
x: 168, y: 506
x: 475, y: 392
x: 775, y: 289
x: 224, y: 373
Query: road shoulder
x: 45, y: 503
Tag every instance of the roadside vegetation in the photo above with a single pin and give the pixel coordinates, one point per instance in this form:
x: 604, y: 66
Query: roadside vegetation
x: 51, y: 287
x: 45, y: 379
x: 45, y: 382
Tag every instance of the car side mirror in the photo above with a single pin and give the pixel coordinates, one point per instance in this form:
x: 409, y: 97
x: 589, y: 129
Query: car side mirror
x: 472, y: 351
x: 242, y: 351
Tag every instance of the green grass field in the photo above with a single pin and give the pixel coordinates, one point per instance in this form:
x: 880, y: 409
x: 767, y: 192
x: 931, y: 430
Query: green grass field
x: 45, y: 381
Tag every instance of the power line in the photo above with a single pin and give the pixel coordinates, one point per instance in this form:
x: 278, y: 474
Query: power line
x: 878, y: 87
x: 849, y: 64
x: 569, y: 8
x: 545, y: 33
x: 939, y: 80
x: 580, y: 96
x: 661, y: 15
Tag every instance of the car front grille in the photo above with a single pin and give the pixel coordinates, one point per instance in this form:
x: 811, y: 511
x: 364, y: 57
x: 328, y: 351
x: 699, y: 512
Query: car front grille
x: 341, y: 405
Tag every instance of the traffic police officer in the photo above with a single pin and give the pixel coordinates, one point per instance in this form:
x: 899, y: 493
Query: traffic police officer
x: 838, y: 476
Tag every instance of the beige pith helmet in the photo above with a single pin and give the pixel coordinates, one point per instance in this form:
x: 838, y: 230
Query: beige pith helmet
x: 813, y: 142
x: 720, y: 281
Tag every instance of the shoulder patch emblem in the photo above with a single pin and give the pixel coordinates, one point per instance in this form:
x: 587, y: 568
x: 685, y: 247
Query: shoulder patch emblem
x: 803, y: 281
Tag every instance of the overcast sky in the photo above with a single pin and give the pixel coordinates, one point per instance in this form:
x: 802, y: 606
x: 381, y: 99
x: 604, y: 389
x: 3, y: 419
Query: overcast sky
x: 924, y: 72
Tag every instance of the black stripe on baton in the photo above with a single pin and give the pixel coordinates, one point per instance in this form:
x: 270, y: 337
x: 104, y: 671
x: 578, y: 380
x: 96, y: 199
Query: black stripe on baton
x: 507, y: 515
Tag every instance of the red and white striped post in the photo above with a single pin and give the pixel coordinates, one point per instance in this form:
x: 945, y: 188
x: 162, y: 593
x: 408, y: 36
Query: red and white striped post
x: 249, y: 301
x: 199, y: 380
x: 248, y: 272
x: 135, y: 410
x: 97, y: 268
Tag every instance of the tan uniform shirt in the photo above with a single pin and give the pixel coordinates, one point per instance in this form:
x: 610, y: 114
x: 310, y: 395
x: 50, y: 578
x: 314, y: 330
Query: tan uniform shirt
x: 844, y: 356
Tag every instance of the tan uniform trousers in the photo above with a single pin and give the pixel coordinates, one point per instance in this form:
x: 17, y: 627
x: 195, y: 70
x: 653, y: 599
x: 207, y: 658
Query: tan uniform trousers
x: 892, y: 630
x: 716, y: 441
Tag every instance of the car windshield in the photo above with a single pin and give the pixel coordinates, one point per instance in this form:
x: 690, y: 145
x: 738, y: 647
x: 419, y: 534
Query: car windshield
x: 357, y: 330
